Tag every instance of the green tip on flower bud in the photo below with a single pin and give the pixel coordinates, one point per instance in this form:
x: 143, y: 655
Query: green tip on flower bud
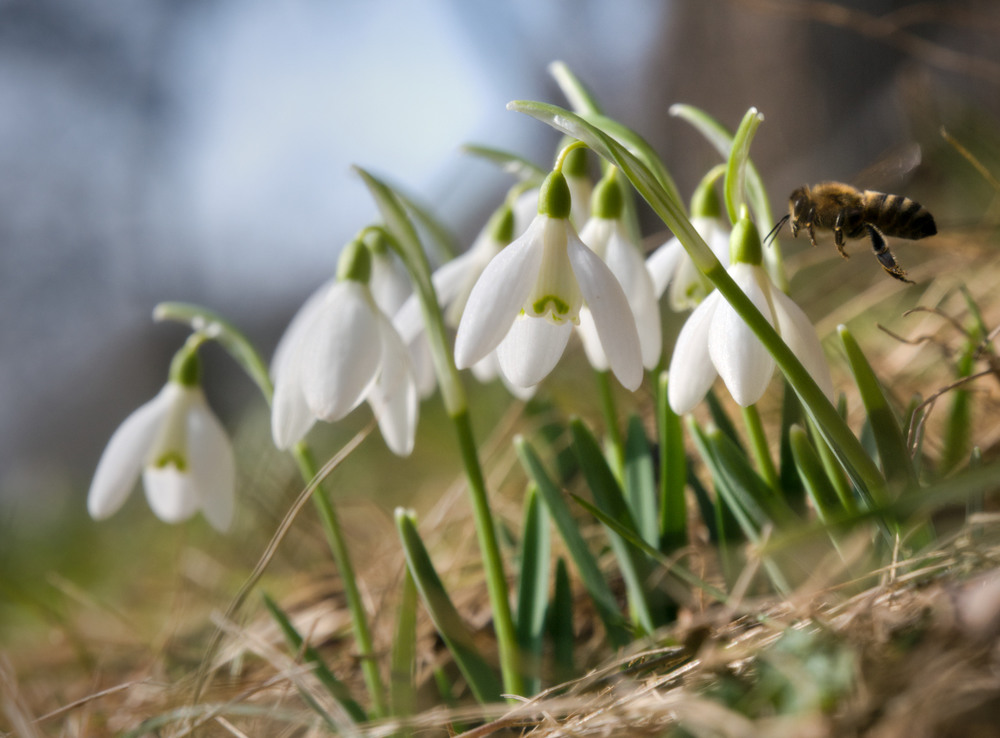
x: 705, y: 202
x: 744, y: 243
x: 575, y: 163
x: 185, y: 367
x: 554, y: 199
x: 376, y: 240
x: 607, y: 201
x: 355, y: 262
x: 501, y: 225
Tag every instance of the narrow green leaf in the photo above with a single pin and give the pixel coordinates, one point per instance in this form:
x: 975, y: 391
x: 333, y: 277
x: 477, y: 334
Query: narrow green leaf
x: 533, y: 588
x: 673, y: 473
x: 586, y: 564
x: 560, y: 619
x: 629, y: 535
x: 608, y: 495
x: 957, y: 436
x: 722, y: 140
x: 640, y: 484
x: 482, y: 679
x: 817, y: 484
x: 511, y: 163
x: 577, y: 94
x: 721, y: 419
x: 337, y: 689
x: 738, y: 161
x: 225, y: 334
x: 447, y: 245
x: 888, y: 435
x: 788, y: 475
x: 403, y: 665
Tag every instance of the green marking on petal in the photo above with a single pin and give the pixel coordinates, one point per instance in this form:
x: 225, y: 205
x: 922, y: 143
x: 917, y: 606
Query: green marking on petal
x: 560, y: 308
x: 171, y: 458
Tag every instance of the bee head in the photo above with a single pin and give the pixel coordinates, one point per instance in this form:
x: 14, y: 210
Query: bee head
x: 798, y: 203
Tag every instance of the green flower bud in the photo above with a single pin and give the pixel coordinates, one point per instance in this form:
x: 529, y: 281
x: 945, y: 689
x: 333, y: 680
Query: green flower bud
x: 607, y: 201
x: 575, y: 163
x: 554, y: 199
x: 355, y: 262
x: 744, y: 242
x: 705, y: 201
x: 185, y: 367
x: 501, y: 225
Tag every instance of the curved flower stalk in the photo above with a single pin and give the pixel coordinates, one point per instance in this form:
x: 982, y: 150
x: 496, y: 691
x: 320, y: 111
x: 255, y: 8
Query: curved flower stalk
x: 528, y: 298
x: 670, y: 265
x: 606, y: 234
x: 340, y: 350
x: 715, y: 340
x: 178, y: 447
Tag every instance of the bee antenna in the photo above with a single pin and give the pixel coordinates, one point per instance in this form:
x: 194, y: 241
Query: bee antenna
x: 773, y: 234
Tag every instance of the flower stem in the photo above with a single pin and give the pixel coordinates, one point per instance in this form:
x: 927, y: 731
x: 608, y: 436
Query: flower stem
x: 407, y: 243
x: 496, y: 580
x: 338, y: 546
x: 759, y: 448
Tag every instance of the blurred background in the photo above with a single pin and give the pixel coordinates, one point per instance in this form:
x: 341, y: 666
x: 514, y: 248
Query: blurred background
x: 200, y: 151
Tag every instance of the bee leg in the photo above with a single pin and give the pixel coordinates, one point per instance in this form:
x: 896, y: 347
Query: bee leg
x: 838, y: 234
x: 884, y: 256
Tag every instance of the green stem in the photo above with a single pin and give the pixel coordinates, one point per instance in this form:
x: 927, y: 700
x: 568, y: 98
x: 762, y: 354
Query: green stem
x: 407, y: 243
x: 338, y: 546
x: 759, y: 448
x: 496, y: 580
x: 610, y: 411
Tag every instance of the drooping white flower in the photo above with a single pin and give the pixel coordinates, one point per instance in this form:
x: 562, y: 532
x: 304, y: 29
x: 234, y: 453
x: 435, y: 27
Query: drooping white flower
x: 181, y: 451
x: 530, y: 295
x: 670, y: 265
x: 715, y: 340
x: 340, y: 350
x: 605, y: 233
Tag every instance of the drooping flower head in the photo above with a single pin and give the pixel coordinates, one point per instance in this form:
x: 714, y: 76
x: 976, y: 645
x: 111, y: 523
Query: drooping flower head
x: 178, y: 447
x: 340, y: 350
x: 716, y: 341
x: 607, y: 235
x: 530, y: 295
x: 670, y: 266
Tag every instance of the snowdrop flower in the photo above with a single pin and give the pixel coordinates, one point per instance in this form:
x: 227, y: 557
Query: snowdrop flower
x: 606, y: 235
x: 670, y: 264
x: 530, y: 295
x: 715, y: 341
x: 575, y: 168
x: 339, y: 350
x: 180, y: 450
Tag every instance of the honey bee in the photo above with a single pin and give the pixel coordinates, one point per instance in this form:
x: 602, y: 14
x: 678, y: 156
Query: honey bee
x: 851, y: 214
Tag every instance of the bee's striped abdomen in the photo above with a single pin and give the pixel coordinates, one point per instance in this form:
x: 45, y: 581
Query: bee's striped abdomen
x: 898, y: 216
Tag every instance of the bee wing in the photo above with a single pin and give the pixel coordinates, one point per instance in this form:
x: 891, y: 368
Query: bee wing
x: 891, y: 170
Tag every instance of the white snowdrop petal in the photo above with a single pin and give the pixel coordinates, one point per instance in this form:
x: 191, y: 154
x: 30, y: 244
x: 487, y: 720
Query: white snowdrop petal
x: 393, y: 397
x: 212, y: 466
x: 611, y: 312
x: 798, y: 332
x: 124, y: 456
x: 691, y: 369
x: 627, y: 264
x: 389, y: 282
x: 738, y: 355
x: 662, y: 264
x: 170, y: 493
x: 340, y: 359
x: 531, y: 349
x: 498, y: 296
x: 291, y: 417
x: 591, y: 341
x: 291, y: 340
